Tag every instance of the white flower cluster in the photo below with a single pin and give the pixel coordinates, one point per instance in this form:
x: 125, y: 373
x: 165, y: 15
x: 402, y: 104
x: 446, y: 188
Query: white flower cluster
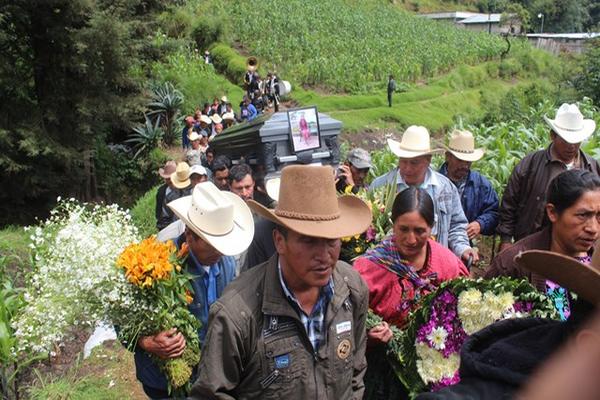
x: 432, y: 366
x: 74, y: 274
x: 477, y: 310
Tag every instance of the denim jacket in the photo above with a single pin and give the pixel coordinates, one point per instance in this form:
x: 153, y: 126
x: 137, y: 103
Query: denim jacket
x: 223, y: 272
x: 450, y: 225
x: 479, y: 201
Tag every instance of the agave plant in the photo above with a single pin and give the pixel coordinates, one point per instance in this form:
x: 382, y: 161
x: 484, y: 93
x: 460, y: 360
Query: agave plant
x: 146, y: 137
x: 166, y: 103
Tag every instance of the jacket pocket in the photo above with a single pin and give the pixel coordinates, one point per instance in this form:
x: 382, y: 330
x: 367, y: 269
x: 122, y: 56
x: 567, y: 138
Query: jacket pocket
x: 286, y: 367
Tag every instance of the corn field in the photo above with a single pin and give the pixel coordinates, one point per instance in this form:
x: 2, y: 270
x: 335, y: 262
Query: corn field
x: 351, y: 46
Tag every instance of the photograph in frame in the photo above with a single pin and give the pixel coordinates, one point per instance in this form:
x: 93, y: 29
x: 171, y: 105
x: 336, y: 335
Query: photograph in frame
x: 305, y: 133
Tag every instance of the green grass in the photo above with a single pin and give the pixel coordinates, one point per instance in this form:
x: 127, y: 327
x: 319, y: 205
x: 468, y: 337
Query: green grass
x: 143, y: 215
x: 14, y: 242
x: 107, y: 374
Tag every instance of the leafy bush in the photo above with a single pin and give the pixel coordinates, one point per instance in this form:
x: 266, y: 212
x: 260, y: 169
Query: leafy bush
x: 165, y: 105
x: 229, y: 62
x: 509, y: 68
x: 146, y: 137
x: 206, y: 31
x: 143, y: 215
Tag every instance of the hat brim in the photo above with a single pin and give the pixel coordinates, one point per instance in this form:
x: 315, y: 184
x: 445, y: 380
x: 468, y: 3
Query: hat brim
x: 476, y: 155
x: 230, y: 244
x: 565, y: 271
x: 355, y: 218
x: 573, y: 137
x: 164, y: 174
x: 179, y: 184
x: 403, y: 153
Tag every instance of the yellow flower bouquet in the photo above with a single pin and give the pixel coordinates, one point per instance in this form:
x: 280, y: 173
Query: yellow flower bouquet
x: 159, y: 292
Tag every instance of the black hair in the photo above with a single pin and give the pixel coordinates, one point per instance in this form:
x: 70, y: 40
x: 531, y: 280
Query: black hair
x: 282, y: 229
x: 414, y: 199
x: 221, y: 163
x: 210, y: 150
x: 239, y: 172
x: 567, y: 187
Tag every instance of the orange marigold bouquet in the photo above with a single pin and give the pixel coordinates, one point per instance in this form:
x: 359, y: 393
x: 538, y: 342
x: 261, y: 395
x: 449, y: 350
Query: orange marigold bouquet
x: 154, y: 298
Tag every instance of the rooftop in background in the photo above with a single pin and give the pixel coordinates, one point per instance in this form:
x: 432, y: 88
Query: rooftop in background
x: 564, y: 35
x: 456, y: 15
x: 482, y: 19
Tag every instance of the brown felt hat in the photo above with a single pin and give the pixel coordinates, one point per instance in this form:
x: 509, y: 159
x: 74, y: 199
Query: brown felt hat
x: 308, y: 204
x: 566, y: 271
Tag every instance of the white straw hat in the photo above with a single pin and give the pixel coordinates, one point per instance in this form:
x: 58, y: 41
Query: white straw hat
x: 206, y: 119
x: 462, y: 146
x: 220, y: 218
x: 415, y: 142
x: 570, y: 125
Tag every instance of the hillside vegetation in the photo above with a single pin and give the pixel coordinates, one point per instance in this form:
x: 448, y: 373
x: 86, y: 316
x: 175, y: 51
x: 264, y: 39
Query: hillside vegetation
x: 348, y: 46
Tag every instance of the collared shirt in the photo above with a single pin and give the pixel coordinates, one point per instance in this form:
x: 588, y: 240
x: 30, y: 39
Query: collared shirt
x: 313, y: 323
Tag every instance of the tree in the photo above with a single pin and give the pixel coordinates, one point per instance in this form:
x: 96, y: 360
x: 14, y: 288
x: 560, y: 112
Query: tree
x: 587, y: 81
x: 66, y: 85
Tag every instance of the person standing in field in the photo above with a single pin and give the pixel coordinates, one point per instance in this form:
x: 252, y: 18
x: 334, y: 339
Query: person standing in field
x: 391, y: 88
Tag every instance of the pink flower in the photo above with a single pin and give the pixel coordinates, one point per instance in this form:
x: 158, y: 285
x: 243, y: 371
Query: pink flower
x: 370, y: 234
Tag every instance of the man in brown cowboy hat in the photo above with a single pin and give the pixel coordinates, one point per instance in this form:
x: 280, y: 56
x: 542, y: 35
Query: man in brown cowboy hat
x: 477, y: 196
x: 521, y: 212
x: 293, y: 327
x: 181, y: 186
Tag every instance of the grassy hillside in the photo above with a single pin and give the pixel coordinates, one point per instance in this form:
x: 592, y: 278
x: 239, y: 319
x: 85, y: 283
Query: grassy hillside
x: 347, y: 46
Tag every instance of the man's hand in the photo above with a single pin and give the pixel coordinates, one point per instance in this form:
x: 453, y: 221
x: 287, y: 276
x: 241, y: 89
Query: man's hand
x: 346, y: 173
x: 166, y: 344
x: 468, y: 253
x: 473, y: 229
x: 380, y: 334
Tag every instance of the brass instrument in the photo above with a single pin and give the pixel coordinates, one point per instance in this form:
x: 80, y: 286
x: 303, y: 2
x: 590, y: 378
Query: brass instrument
x: 252, y: 64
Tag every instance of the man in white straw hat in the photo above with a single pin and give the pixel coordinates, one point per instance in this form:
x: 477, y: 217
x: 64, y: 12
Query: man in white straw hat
x: 180, y: 186
x: 196, y: 155
x: 414, y: 158
x: 293, y: 327
x: 522, y: 208
x: 478, y: 198
x: 217, y: 225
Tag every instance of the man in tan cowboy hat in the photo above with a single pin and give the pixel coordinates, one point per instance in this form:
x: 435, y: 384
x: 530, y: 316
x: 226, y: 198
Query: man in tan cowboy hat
x: 478, y: 197
x: 522, y: 208
x: 217, y: 225
x: 293, y: 327
x: 181, y: 186
x: 414, y: 158
x: 498, y: 361
x: 165, y: 173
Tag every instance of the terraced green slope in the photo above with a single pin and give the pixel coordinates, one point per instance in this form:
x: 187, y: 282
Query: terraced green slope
x: 350, y: 46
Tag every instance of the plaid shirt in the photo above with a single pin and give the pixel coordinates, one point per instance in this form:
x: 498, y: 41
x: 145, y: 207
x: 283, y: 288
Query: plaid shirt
x: 313, y: 323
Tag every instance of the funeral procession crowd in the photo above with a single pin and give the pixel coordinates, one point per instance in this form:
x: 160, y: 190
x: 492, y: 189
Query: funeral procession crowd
x: 283, y: 317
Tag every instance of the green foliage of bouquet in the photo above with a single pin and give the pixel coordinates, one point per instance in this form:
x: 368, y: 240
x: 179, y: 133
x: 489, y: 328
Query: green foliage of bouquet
x: 428, y: 349
x: 380, y: 202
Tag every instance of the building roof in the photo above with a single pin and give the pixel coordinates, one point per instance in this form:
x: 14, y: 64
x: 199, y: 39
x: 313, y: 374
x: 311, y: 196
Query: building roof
x: 449, y: 15
x: 564, y: 35
x: 482, y: 19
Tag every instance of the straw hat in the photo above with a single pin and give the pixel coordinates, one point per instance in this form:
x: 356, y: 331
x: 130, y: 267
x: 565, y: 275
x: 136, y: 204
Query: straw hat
x: 566, y: 271
x: 181, y: 177
x: 193, y: 136
x: 415, y: 143
x: 206, y: 119
x: 462, y: 146
x: 308, y: 204
x: 570, y: 125
x: 166, y: 171
x: 272, y: 187
x: 216, y: 118
x: 220, y: 218
x: 224, y: 99
x: 229, y: 116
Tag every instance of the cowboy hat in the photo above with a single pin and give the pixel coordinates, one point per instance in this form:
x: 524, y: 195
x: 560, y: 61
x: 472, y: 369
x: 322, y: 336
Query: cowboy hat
x: 193, y: 136
x: 166, y: 171
x: 181, y: 177
x: 216, y: 118
x: 566, y: 271
x: 272, y: 187
x: 570, y: 125
x: 415, y: 142
x: 220, y: 218
x: 308, y: 204
x: 462, y: 146
x: 206, y: 119
x: 224, y: 99
x: 229, y: 116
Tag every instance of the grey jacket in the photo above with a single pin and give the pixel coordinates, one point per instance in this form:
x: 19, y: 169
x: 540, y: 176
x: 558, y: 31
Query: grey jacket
x: 257, y: 348
x: 450, y: 226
